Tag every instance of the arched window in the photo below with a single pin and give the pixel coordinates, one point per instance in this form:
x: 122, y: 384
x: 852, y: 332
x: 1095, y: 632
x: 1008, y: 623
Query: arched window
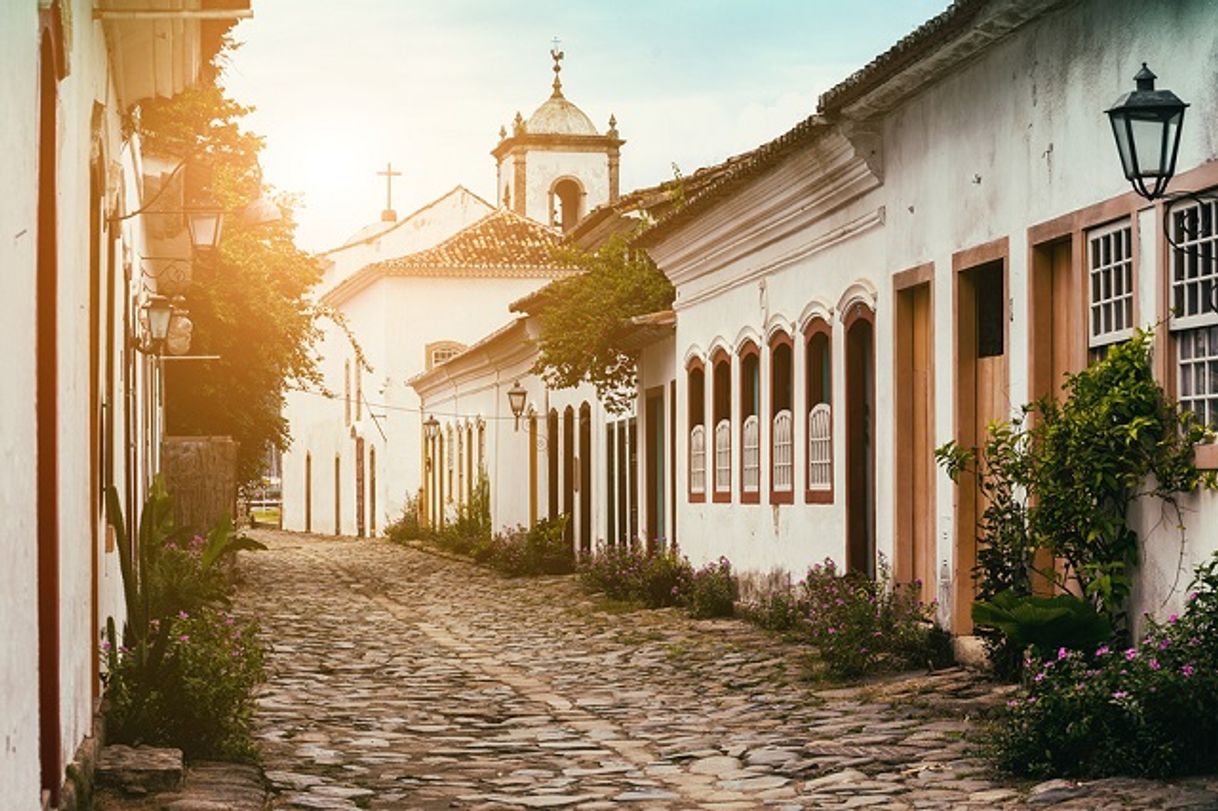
x: 566, y: 203
x: 750, y: 423
x: 722, y: 415
x: 782, y: 446
x: 818, y: 385
x: 696, y: 392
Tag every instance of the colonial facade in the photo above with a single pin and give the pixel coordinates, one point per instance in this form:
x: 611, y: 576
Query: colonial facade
x: 941, y: 242
x: 81, y: 404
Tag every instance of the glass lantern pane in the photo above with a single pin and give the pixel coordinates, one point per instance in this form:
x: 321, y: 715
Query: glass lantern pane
x: 1148, y: 146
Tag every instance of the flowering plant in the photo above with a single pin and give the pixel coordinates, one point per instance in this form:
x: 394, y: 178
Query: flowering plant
x: 713, y: 590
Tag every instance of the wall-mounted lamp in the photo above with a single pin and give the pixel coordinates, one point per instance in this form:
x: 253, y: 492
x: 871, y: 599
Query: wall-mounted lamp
x: 516, y: 397
x: 165, y: 326
x: 431, y: 427
x: 1146, y: 124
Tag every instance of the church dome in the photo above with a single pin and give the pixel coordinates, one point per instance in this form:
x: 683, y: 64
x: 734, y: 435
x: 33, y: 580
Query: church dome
x: 557, y: 116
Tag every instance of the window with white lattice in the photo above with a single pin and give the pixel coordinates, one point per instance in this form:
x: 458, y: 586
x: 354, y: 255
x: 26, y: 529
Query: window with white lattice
x: 696, y: 394
x: 723, y: 457
x: 818, y: 388
x: 1194, y: 322
x: 1110, y: 315
x: 697, y: 460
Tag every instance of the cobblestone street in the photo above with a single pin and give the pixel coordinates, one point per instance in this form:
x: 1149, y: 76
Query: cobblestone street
x: 402, y: 679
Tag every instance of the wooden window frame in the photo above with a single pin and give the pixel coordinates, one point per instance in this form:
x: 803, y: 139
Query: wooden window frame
x: 749, y: 348
x: 720, y: 358
x: 778, y: 339
x: 695, y: 365
x: 818, y: 326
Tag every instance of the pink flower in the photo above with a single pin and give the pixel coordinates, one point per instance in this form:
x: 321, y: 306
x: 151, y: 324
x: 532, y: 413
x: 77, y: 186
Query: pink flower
x: 184, y: 638
x: 182, y: 615
x: 1062, y: 653
x: 1039, y: 677
x: 1164, y: 644
x: 1187, y: 671
x: 1154, y: 664
x: 1120, y: 694
x: 171, y: 545
x: 1014, y: 702
x: 1131, y: 654
x: 1193, y: 596
x: 1173, y: 619
x: 1102, y: 650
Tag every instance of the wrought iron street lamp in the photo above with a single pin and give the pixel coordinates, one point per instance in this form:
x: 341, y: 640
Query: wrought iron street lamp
x: 516, y: 397
x: 1146, y: 124
x: 205, y: 222
x: 431, y: 427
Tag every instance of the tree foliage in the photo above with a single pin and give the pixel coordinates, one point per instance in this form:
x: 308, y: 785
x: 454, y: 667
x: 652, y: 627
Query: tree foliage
x: 582, y: 319
x: 248, y: 300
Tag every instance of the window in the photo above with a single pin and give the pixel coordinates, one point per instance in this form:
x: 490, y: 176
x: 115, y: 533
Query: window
x: 1110, y: 286
x: 818, y: 387
x: 722, y: 415
x: 1194, y: 321
x: 696, y: 391
x: 750, y: 426
x: 440, y: 352
x: 782, y: 451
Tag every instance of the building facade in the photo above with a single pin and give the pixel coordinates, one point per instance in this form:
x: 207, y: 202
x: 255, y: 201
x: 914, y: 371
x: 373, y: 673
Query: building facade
x: 81, y: 404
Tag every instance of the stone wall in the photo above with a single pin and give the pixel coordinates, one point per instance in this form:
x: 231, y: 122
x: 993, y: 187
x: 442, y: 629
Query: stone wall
x: 201, y: 475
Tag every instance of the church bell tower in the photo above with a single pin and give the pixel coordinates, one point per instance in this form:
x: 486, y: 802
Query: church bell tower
x: 555, y: 166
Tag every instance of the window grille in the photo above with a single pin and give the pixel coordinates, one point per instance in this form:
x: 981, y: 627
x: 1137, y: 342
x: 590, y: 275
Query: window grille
x: 697, y: 459
x: 1110, y: 274
x: 820, y: 448
x: 750, y: 454
x: 1194, y: 322
x: 723, y: 457
x: 783, y: 452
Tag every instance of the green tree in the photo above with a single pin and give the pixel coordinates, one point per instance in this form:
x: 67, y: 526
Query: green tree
x: 248, y: 299
x: 582, y: 319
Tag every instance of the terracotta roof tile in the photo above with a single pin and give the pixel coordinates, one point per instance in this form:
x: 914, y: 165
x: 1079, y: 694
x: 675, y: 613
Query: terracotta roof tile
x: 501, y: 239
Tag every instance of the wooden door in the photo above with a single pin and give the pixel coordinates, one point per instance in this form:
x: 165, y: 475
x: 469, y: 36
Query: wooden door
x: 860, y: 449
x: 654, y: 468
x: 359, y: 487
x: 913, y: 439
x: 982, y: 396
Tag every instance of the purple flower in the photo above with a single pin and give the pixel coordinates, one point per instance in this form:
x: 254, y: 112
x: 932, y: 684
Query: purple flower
x: 182, y: 615
x: 1173, y: 619
x: 1102, y: 650
x: 171, y: 545
x: 831, y: 630
x: 1193, y: 596
x: 1039, y: 677
x: 1187, y: 671
x: 1164, y: 644
x: 105, y: 645
x: 1120, y: 694
x: 1014, y: 702
x: 184, y: 638
x: 1194, y: 642
x: 1062, y: 653
x: 1154, y: 664
x: 1131, y: 654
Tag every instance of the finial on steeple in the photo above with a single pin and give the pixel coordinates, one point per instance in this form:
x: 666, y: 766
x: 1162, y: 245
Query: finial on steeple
x: 612, y: 126
x: 518, y: 124
x: 557, y: 56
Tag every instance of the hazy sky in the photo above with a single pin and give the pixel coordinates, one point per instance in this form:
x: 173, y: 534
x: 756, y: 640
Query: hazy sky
x: 342, y: 86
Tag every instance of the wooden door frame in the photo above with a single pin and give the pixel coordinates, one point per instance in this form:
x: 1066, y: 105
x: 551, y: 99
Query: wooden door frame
x: 963, y: 416
x: 904, y: 569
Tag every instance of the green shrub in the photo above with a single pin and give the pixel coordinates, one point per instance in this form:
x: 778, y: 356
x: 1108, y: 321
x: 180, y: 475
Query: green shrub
x: 199, y: 697
x: 469, y: 531
x: 625, y: 573
x: 540, y: 550
x: 1149, y: 710
x: 1043, y: 623
x: 713, y: 590
x: 184, y: 673
x: 861, y: 625
x: 406, y: 527
x: 778, y: 610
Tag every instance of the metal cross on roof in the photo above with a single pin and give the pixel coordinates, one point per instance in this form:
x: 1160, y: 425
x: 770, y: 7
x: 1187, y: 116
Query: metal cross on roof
x: 389, y: 214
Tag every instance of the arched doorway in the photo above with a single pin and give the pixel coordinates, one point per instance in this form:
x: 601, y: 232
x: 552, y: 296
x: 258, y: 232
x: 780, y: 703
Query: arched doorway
x: 552, y: 464
x: 585, y: 479
x: 860, y: 440
x: 566, y: 203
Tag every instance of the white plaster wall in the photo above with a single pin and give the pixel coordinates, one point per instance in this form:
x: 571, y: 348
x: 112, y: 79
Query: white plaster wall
x: 543, y: 167
x: 415, y: 232
x: 18, y: 493
x: 392, y: 320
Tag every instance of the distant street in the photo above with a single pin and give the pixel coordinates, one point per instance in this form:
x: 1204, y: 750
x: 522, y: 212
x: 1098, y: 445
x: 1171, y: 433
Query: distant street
x: 400, y: 679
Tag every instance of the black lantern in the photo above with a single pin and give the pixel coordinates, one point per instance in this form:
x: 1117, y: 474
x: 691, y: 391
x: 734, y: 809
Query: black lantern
x: 205, y: 222
x: 1146, y: 124
x: 160, y: 312
x: 516, y: 396
x: 431, y: 427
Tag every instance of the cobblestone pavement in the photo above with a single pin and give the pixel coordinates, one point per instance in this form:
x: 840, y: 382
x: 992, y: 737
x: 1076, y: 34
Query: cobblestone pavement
x: 403, y: 679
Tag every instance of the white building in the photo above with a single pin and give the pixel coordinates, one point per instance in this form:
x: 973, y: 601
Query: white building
x: 80, y: 408
x: 414, y: 293
x: 923, y: 255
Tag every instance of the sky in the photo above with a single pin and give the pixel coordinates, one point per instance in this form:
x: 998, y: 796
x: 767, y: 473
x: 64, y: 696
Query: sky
x: 340, y: 87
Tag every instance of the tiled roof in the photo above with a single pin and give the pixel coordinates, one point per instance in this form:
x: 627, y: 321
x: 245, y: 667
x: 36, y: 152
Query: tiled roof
x: 500, y: 240
x: 500, y: 245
